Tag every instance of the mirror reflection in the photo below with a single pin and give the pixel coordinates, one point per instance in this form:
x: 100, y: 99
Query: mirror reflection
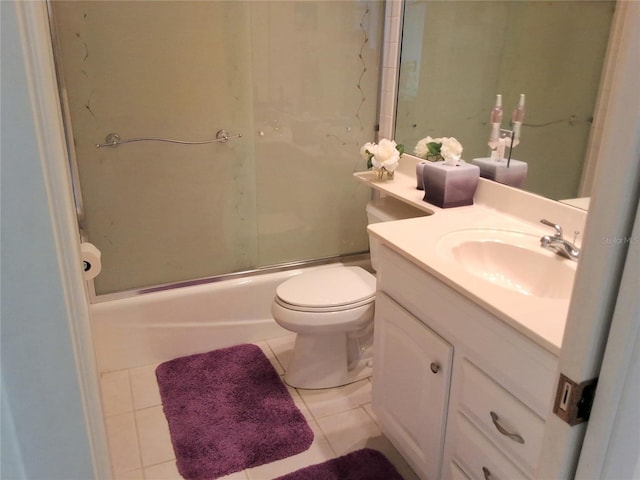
x: 458, y: 55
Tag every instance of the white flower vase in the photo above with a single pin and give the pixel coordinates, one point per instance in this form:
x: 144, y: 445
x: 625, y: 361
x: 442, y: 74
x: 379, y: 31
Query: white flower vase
x: 449, y: 186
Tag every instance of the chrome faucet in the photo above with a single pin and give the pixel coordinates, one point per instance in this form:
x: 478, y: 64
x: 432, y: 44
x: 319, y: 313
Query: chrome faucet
x: 556, y: 243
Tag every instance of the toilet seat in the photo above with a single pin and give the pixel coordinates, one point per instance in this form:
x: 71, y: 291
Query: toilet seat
x: 327, y: 290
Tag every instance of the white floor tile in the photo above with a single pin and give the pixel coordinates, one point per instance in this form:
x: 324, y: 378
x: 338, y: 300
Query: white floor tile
x: 369, y: 409
x: 330, y: 401
x: 155, y: 440
x: 162, y: 471
x: 349, y: 431
x: 169, y: 471
x: 264, y: 346
x: 123, y: 442
x: 297, y: 399
x: 132, y: 475
x: 319, y: 451
x: 281, y: 347
x: 116, y: 392
x: 144, y: 387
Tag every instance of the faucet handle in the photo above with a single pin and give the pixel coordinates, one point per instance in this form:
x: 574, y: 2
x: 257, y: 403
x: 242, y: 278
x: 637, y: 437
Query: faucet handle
x: 557, y: 227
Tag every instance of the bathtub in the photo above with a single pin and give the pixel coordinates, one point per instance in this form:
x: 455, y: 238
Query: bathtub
x: 150, y: 328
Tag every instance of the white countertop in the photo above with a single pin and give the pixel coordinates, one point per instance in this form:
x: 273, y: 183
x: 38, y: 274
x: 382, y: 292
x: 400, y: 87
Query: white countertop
x: 582, y: 202
x: 540, y: 319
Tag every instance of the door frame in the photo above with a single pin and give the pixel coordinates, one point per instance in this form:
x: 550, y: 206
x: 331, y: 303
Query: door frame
x: 33, y: 25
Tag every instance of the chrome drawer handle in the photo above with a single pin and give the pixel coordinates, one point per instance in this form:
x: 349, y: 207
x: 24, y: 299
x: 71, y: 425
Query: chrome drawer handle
x: 486, y: 473
x: 513, y: 436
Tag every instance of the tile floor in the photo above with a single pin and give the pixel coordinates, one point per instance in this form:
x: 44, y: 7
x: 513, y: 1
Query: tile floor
x: 342, y: 420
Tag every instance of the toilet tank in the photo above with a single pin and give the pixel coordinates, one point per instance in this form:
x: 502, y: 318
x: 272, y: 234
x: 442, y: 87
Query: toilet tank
x: 387, y: 209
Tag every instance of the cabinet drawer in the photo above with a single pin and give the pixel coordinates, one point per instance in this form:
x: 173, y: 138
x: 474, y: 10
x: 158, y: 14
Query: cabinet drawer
x: 479, y: 458
x: 504, y: 419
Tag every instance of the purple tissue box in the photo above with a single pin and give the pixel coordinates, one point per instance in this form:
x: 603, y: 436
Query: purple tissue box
x: 449, y: 186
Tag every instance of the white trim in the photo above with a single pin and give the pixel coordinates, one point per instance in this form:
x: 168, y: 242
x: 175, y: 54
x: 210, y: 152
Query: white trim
x: 390, y: 67
x: 38, y: 57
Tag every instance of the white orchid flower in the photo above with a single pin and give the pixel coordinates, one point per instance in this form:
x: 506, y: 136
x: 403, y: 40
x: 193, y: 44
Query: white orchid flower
x: 386, y: 155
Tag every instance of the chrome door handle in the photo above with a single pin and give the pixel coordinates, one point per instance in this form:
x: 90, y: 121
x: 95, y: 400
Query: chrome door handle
x: 513, y: 436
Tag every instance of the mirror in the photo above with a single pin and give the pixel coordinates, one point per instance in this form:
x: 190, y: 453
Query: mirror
x: 457, y: 55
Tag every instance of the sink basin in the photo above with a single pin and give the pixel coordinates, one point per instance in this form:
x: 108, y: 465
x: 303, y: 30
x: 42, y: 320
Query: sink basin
x: 511, y: 260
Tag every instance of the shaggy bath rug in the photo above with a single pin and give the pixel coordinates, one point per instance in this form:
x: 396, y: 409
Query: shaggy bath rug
x: 365, y: 464
x: 228, y: 410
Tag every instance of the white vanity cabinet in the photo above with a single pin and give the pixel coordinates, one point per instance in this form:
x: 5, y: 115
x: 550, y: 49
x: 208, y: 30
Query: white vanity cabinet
x: 481, y: 416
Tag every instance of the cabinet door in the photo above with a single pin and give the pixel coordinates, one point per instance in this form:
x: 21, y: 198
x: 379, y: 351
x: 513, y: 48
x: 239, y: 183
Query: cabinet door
x: 411, y: 376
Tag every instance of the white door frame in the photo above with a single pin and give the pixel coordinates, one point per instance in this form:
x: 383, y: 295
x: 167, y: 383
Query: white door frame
x: 37, y: 51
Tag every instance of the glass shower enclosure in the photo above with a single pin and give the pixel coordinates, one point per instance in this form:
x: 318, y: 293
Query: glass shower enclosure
x: 292, y: 84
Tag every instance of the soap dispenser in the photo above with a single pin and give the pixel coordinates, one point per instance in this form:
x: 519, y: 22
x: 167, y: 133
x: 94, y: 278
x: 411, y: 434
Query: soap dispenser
x: 516, y: 120
x: 496, y: 120
x: 506, y: 171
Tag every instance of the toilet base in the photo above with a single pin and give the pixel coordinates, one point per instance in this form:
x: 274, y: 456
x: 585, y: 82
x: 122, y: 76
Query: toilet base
x: 320, y: 361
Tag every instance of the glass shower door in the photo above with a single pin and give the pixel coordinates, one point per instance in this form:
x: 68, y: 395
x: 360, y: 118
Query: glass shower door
x: 316, y: 71
x: 298, y: 80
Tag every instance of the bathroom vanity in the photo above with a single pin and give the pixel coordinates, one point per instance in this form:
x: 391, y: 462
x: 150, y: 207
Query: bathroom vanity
x: 455, y: 389
x: 465, y: 363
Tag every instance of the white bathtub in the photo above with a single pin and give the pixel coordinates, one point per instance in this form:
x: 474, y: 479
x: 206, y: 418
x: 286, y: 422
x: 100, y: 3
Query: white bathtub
x: 155, y: 327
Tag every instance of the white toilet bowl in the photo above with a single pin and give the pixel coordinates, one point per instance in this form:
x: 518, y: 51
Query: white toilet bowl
x: 331, y: 312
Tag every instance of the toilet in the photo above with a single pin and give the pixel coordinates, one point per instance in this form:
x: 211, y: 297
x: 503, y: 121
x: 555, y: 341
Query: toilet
x: 331, y: 311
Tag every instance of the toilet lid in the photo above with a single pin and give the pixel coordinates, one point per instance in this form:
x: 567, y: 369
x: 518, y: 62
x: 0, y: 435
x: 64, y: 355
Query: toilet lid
x: 330, y: 287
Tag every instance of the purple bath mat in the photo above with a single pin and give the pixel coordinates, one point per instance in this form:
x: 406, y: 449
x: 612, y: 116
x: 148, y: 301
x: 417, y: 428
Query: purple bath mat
x: 365, y: 464
x: 228, y: 410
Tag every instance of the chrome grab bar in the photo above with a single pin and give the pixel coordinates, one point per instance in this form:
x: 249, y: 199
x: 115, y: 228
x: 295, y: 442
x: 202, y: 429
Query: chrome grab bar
x: 113, y: 139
